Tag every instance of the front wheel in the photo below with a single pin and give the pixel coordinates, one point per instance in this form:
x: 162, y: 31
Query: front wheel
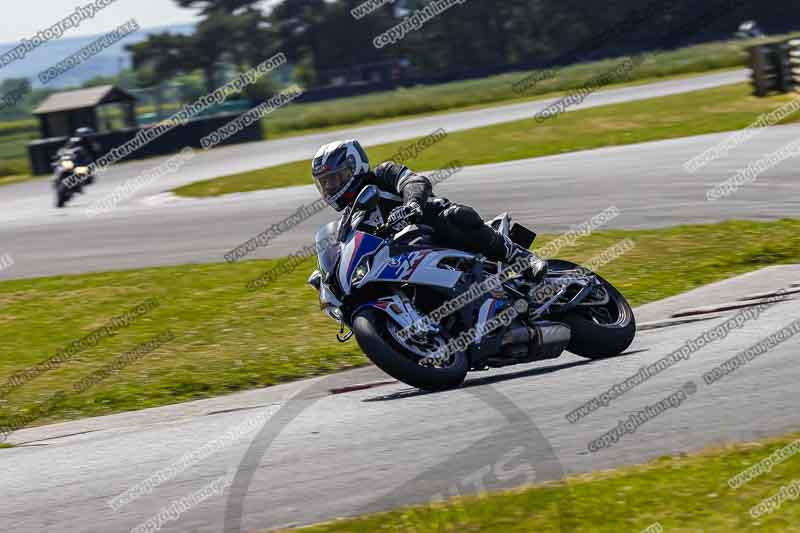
x: 598, y: 331
x: 372, y: 331
x: 62, y: 195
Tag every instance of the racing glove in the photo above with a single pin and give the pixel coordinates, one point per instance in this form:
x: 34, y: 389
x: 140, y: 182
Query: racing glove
x: 403, y: 216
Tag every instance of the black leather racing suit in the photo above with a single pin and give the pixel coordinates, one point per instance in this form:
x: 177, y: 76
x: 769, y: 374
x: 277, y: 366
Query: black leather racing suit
x: 456, y: 226
x: 84, y: 151
x: 84, y: 154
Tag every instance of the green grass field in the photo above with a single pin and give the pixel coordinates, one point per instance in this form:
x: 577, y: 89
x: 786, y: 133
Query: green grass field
x: 15, y: 178
x: 13, y: 153
x: 681, y: 494
x: 229, y: 339
x: 724, y: 108
x: 14, y: 138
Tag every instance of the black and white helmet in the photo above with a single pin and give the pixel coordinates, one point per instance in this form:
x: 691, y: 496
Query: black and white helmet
x: 339, y: 170
x: 80, y: 136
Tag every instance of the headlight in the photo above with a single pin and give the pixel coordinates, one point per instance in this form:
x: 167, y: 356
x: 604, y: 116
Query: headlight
x: 361, y: 271
x: 82, y: 171
x: 67, y: 165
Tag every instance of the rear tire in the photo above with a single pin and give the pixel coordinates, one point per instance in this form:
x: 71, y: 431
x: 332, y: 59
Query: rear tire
x: 593, y: 340
x: 369, y: 327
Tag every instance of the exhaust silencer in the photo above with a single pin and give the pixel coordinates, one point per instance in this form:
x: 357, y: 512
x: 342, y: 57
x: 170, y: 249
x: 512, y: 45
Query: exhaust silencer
x: 551, y: 340
x: 543, y: 340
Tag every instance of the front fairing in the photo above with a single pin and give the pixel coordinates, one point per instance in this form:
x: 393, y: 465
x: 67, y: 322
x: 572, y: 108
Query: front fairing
x: 415, y: 266
x: 362, y: 258
x: 358, y: 246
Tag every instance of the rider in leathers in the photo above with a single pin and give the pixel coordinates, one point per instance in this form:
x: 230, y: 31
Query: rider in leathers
x: 341, y: 169
x: 86, y: 151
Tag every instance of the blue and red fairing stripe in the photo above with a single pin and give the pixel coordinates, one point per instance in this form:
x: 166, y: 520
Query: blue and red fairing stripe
x: 403, y: 269
x: 364, y: 244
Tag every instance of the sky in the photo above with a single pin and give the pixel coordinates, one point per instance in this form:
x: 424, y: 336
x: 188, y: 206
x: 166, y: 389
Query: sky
x: 27, y: 17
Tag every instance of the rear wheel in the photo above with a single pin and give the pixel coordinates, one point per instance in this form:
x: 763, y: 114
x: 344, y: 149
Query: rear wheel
x: 598, y: 331
x: 407, y: 362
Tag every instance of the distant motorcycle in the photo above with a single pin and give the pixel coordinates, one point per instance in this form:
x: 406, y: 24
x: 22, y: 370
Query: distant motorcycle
x: 70, y: 162
x: 386, y: 289
x: 749, y: 30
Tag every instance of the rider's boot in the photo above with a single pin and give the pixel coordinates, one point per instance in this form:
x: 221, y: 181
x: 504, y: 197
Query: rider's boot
x: 515, y: 252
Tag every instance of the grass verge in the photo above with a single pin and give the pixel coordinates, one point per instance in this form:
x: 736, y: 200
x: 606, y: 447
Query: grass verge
x: 725, y: 108
x: 8, y: 180
x: 682, y: 494
x: 499, y: 89
x: 230, y: 339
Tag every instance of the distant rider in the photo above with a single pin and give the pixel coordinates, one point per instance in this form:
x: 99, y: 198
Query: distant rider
x: 85, y: 150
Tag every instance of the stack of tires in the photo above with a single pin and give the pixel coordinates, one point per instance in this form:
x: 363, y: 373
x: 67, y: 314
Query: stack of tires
x: 794, y: 61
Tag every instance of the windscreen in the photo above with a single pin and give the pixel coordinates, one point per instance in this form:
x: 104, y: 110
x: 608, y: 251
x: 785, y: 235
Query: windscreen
x: 328, y: 246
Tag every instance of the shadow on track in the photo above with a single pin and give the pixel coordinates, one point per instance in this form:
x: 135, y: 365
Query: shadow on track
x: 479, y: 382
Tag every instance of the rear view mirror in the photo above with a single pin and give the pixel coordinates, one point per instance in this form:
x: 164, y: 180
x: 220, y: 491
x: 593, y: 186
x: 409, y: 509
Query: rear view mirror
x: 367, y: 199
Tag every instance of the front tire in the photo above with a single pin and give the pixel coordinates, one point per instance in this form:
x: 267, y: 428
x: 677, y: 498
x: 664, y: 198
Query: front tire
x: 369, y: 327
x: 594, y: 338
x: 62, y: 195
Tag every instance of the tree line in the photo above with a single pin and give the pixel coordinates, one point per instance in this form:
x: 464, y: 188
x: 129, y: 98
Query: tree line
x: 326, y: 41
x: 332, y: 41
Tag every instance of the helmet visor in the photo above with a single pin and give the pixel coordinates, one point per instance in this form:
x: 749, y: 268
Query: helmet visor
x: 331, y: 183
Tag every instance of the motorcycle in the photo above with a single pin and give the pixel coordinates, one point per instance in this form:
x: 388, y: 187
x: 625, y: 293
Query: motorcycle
x: 66, y: 165
x: 427, y: 315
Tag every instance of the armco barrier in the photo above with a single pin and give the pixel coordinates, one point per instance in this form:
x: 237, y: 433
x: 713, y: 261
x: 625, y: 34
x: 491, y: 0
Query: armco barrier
x: 41, y: 152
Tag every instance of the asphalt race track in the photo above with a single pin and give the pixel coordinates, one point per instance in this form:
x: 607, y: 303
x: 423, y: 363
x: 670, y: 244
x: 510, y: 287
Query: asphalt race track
x: 148, y: 232
x: 325, y: 454
x: 646, y: 182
